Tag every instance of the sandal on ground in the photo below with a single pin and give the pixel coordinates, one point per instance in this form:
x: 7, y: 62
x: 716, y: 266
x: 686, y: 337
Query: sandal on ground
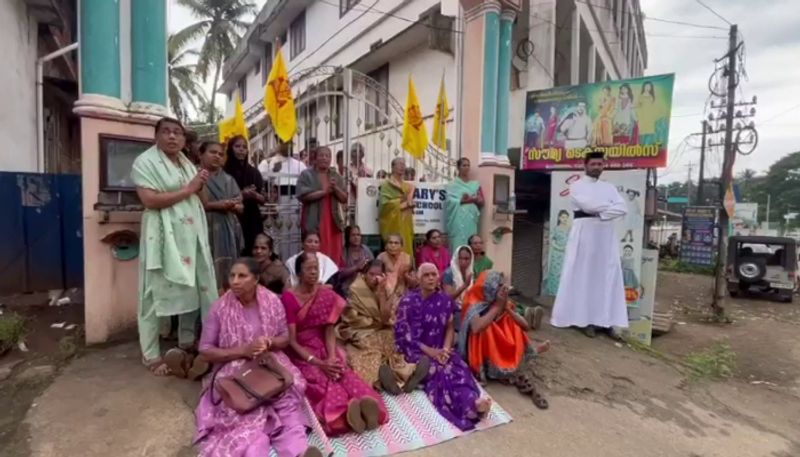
x: 370, y: 412
x: 589, y: 331
x: 524, y: 384
x: 534, y: 317
x: 157, y: 366
x: 200, y: 366
x: 354, y: 417
x: 538, y: 400
x: 387, y: 380
x: 419, y: 375
x: 312, y: 452
x: 178, y: 362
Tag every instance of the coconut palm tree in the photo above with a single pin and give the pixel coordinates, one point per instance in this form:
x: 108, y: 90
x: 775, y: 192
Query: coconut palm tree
x: 221, y: 25
x: 185, y: 89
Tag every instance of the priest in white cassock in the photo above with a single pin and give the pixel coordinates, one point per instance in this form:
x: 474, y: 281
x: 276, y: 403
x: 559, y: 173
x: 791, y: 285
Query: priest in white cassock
x: 591, y: 292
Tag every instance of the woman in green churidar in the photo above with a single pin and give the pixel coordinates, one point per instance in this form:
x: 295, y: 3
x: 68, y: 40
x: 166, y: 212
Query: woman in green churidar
x: 463, y: 206
x: 481, y: 263
x: 224, y: 202
x: 176, y: 276
x: 396, y: 214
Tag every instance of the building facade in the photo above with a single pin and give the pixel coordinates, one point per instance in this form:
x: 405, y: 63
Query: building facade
x: 553, y: 43
x: 37, y: 104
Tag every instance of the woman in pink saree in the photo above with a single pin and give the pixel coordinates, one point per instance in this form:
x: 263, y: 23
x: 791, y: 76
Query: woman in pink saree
x: 434, y: 251
x: 342, y: 401
x: 245, y: 322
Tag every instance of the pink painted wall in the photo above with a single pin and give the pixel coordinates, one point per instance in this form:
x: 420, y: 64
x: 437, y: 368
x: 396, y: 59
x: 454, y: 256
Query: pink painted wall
x: 110, y: 285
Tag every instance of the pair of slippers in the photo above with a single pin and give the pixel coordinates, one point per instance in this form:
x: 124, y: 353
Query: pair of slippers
x: 184, y: 365
x: 363, y: 414
x: 389, y: 383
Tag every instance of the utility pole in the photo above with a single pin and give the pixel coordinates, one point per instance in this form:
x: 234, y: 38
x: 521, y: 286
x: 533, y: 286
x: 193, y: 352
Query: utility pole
x: 720, y: 286
x: 689, y: 166
x: 701, y: 176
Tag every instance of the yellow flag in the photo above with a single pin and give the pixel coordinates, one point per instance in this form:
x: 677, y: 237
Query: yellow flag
x: 279, y: 102
x: 415, y: 135
x: 440, y: 118
x: 233, y: 126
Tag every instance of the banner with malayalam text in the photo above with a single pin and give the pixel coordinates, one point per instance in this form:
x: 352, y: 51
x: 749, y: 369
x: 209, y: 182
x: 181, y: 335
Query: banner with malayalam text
x: 628, y: 119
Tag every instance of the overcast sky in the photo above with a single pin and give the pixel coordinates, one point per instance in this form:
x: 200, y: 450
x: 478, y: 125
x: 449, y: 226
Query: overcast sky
x: 772, y: 44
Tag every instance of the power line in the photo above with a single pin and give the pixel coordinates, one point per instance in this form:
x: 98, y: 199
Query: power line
x: 779, y: 115
x: 713, y: 12
x: 658, y: 19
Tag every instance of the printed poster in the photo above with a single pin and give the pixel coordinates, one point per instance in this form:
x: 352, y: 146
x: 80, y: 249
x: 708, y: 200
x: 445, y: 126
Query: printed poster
x: 631, y: 184
x: 697, y: 235
x: 429, y: 200
x: 640, y: 320
x: 628, y: 119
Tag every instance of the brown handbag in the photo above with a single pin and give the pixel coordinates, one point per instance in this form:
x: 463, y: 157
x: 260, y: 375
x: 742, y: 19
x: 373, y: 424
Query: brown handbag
x: 255, y: 383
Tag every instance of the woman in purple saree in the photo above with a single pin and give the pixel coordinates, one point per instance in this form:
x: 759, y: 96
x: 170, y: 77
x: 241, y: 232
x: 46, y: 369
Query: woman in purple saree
x: 245, y: 322
x: 425, y: 329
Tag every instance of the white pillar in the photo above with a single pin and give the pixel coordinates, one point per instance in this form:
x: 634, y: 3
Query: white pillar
x: 575, y: 49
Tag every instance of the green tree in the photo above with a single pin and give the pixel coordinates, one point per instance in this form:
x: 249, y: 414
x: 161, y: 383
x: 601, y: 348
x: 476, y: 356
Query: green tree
x: 221, y: 25
x: 782, y: 184
x: 185, y: 89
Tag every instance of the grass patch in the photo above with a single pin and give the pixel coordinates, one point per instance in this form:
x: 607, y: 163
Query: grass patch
x: 677, y: 266
x: 716, y: 362
x: 12, y: 331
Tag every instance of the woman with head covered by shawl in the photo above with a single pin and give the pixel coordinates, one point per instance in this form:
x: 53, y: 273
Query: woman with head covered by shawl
x: 424, y: 329
x: 493, y: 336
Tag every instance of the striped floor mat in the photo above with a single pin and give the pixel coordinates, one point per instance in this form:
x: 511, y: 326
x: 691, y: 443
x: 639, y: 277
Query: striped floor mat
x: 413, y: 424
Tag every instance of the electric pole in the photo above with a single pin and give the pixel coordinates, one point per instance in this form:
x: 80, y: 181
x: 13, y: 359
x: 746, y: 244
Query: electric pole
x: 689, y: 166
x: 720, y: 289
x: 701, y: 176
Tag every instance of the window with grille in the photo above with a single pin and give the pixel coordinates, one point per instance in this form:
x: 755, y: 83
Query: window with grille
x: 266, y: 66
x: 336, y: 106
x: 346, y: 5
x: 375, y: 111
x: 297, y: 35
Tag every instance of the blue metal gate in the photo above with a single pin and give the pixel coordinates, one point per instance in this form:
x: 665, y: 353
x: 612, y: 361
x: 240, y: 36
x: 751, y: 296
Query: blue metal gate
x: 41, y: 232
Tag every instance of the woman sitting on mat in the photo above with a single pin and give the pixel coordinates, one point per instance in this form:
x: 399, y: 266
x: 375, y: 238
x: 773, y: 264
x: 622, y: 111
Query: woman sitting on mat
x: 245, y: 322
x: 425, y: 330
x: 341, y: 400
x: 367, y: 328
x: 493, y: 336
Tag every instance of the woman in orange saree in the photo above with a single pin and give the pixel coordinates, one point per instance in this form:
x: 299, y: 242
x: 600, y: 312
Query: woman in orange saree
x: 493, y: 338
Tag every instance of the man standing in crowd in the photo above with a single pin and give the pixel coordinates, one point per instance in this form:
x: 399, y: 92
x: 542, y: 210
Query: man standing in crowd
x: 591, y: 292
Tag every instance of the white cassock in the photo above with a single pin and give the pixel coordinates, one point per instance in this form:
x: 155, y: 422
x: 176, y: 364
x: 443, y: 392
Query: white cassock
x: 591, y: 291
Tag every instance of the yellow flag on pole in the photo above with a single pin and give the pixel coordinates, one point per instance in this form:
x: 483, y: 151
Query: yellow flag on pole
x: 415, y: 135
x: 233, y: 126
x: 440, y: 118
x: 278, y: 101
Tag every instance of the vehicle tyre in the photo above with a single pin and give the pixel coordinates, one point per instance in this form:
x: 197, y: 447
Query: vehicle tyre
x: 751, y: 269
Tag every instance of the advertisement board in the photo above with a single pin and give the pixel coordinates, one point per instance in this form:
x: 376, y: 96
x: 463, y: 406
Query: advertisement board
x: 631, y: 185
x: 628, y: 119
x: 429, y: 199
x: 697, y: 235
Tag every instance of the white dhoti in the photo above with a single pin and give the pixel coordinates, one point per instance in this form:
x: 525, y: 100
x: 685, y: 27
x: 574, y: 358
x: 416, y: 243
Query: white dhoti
x: 591, y: 291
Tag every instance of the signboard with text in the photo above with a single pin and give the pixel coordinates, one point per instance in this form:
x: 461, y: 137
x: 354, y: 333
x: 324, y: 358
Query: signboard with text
x: 628, y: 119
x: 697, y: 235
x: 429, y: 199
